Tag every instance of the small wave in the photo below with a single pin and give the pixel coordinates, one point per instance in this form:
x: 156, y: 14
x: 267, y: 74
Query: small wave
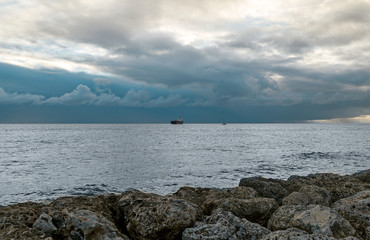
x: 46, y: 142
x: 325, y: 155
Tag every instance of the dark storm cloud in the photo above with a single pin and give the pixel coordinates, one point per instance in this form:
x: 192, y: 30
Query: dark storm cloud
x: 308, y: 55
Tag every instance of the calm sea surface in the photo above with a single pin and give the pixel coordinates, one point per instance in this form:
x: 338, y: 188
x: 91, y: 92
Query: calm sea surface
x: 39, y: 162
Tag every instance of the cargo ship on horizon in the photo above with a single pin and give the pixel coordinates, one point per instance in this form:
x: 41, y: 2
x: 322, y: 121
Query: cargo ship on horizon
x: 178, y: 121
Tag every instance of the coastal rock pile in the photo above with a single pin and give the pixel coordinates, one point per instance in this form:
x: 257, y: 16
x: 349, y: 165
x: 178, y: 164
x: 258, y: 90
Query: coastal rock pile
x: 319, y: 206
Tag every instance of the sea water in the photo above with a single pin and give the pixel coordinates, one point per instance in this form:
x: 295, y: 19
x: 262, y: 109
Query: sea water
x: 39, y: 162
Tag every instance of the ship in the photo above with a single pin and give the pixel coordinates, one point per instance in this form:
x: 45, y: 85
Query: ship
x: 178, y: 121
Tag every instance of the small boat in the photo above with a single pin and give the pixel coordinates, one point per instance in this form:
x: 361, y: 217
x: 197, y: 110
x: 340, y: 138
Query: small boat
x: 178, y: 121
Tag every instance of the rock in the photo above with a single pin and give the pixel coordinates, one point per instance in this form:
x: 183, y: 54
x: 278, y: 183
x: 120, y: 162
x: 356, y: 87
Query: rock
x: 90, y: 225
x: 363, y: 176
x: 224, y: 225
x: 103, y: 204
x: 268, y: 188
x: 202, y: 196
x: 80, y: 224
x: 295, y: 233
x: 191, y: 194
x: 150, y: 216
x: 257, y: 210
x: 310, y: 194
x: 44, y: 224
x: 237, y: 192
x: 16, y: 221
x: 314, y: 219
x: 356, y: 210
x: 338, y: 186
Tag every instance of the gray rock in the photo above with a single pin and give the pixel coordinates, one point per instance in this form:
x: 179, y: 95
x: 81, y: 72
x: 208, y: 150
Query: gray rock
x: 295, y: 233
x: 224, y: 225
x: 363, y: 176
x: 314, y: 219
x: 90, y: 225
x: 257, y: 210
x: 338, y: 186
x: 191, y: 194
x: 356, y: 210
x: 268, y: 188
x: 44, y: 223
x: 310, y: 194
x: 150, y: 216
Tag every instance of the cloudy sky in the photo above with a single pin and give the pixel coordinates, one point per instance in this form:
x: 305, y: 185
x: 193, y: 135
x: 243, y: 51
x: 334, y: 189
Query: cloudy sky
x: 206, y: 60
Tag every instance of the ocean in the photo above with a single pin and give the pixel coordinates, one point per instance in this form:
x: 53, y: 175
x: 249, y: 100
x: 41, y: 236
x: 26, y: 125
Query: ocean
x: 45, y: 161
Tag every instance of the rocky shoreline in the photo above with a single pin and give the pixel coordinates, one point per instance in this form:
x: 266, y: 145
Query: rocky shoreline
x: 318, y: 206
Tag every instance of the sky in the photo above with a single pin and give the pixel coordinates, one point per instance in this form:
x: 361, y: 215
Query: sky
x: 146, y: 61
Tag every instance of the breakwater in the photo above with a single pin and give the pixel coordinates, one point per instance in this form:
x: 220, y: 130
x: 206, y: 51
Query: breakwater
x: 318, y: 206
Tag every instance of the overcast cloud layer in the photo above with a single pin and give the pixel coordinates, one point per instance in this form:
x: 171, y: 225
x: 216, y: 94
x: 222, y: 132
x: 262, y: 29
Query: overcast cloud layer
x: 301, y: 59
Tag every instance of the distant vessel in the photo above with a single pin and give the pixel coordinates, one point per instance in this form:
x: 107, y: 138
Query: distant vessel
x: 178, y: 121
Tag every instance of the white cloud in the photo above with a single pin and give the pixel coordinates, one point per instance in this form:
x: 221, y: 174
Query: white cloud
x: 83, y: 95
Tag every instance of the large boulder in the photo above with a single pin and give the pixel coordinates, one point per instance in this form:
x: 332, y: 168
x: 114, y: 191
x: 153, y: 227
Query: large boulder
x: 80, y: 224
x: 223, y: 225
x: 257, y: 210
x: 269, y: 188
x: 306, y: 195
x: 90, y: 225
x: 356, y: 210
x: 338, y: 186
x: 314, y: 219
x: 44, y: 223
x: 191, y: 194
x: 151, y: 216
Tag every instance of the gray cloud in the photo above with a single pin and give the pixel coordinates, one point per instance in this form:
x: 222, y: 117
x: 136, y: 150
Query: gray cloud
x: 225, y: 53
x: 83, y: 95
x: 18, y: 98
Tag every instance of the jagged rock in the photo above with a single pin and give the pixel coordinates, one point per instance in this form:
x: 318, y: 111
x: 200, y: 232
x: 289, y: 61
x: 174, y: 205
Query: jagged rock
x: 338, y: 186
x: 237, y: 192
x: 257, y: 210
x: 308, y: 195
x: 298, y: 234
x: 90, y: 225
x: 100, y: 204
x: 224, y: 225
x: 150, y: 216
x: 80, y: 224
x: 268, y: 188
x: 363, y: 176
x: 356, y: 210
x: 16, y: 221
x: 44, y: 223
x: 191, y: 194
x: 313, y: 219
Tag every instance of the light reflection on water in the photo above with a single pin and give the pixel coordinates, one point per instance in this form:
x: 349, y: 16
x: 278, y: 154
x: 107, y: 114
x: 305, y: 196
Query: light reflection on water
x: 46, y: 161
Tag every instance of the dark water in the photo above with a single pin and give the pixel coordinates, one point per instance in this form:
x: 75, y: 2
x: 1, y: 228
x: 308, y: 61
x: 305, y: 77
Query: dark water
x: 46, y: 161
